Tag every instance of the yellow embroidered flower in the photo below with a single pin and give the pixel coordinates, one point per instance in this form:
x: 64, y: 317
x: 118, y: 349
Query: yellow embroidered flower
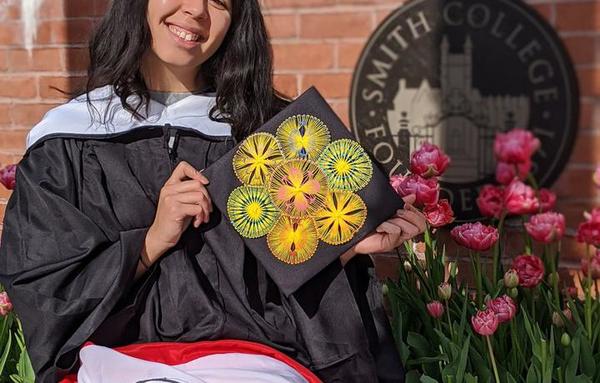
x: 346, y: 165
x: 342, y: 216
x: 293, y: 240
x: 256, y: 158
x: 302, y: 136
x: 251, y: 211
x: 298, y: 187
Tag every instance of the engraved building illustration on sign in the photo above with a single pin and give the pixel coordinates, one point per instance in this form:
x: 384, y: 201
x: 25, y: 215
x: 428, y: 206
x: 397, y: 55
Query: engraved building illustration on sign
x: 456, y: 116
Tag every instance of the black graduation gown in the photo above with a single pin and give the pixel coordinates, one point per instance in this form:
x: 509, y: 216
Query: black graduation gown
x: 73, y: 231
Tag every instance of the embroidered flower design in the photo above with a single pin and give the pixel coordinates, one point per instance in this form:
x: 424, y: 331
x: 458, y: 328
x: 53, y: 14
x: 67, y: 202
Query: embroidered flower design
x: 251, y: 211
x: 302, y: 136
x: 298, y: 188
x: 346, y: 164
x: 293, y: 240
x: 256, y: 158
x: 342, y: 216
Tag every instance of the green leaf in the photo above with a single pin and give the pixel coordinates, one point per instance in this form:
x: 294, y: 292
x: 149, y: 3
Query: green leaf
x: 427, y: 379
x: 588, y: 365
x: 533, y: 375
x: 573, y: 360
x: 427, y: 360
x: 412, y: 376
x: 5, y: 325
x: 419, y: 343
x: 462, y: 362
x: 4, y: 357
x: 480, y: 366
x: 25, y: 369
x: 509, y: 378
x: 470, y: 378
x: 582, y: 379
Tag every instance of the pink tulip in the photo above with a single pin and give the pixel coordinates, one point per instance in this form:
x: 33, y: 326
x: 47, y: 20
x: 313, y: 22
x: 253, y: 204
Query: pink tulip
x: 504, y: 308
x: 506, y: 172
x: 547, y: 200
x: 520, y: 199
x: 546, y: 227
x: 475, y: 236
x: 428, y: 161
x: 395, y: 181
x: 490, y: 201
x: 7, y: 176
x: 592, y: 264
x: 516, y: 146
x: 440, y: 214
x: 427, y: 191
x: 5, y: 304
x: 530, y: 269
x: 485, y: 322
x: 589, y: 231
x: 435, y: 309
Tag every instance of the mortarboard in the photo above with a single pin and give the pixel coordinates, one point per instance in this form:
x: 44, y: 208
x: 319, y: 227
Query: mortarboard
x: 301, y: 191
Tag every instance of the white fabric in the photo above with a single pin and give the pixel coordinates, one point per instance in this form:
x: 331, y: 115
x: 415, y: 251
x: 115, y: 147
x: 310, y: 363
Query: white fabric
x: 105, y: 365
x: 74, y: 117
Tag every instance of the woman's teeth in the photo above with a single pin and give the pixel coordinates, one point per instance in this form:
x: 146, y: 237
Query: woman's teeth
x: 183, y: 34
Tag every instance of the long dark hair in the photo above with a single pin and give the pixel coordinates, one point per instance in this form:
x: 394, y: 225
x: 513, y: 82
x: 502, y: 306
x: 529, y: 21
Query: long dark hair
x: 241, y: 70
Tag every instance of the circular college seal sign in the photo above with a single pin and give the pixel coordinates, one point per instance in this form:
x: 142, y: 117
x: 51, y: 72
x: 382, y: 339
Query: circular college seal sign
x: 455, y: 73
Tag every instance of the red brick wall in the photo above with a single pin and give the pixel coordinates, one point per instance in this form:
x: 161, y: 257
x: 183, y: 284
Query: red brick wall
x: 316, y: 42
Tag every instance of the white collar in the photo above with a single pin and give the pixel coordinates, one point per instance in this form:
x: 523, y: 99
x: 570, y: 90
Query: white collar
x: 73, y: 118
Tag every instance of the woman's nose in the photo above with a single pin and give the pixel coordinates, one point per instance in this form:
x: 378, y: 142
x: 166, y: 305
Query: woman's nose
x: 196, y: 9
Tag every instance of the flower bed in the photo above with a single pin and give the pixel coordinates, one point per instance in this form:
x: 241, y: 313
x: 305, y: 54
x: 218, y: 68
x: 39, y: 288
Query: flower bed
x: 517, y: 321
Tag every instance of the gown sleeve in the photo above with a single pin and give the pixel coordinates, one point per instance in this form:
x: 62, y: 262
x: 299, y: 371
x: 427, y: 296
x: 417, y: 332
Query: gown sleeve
x: 65, y: 270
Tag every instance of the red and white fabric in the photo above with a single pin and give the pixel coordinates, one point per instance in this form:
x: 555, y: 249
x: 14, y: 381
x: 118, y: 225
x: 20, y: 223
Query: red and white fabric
x: 199, y: 362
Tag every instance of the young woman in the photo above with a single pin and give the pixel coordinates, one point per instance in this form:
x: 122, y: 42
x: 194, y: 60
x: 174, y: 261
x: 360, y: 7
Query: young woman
x: 110, y: 235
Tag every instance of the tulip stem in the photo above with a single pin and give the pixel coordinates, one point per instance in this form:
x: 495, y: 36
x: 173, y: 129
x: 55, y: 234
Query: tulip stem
x: 588, y: 297
x: 519, y: 353
x: 491, y: 351
x: 476, y: 263
x: 479, y: 284
x: 552, y: 259
x: 526, y: 237
x: 495, y: 273
x: 532, y: 180
x: 449, y: 321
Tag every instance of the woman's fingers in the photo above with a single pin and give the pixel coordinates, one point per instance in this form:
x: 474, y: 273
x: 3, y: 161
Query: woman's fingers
x: 408, y: 229
x: 415, y: 217
x: 188, y: 209
x: 410, y: 199
x: 388, y: 228
x: 195, y: 197
x: 188, y: 187
x: 184, y: 170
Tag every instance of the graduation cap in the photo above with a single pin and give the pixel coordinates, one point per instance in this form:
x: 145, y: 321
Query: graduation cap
x: 301, y: 191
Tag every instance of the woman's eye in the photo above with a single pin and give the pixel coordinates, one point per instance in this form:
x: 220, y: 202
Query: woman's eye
x: 220, y: 3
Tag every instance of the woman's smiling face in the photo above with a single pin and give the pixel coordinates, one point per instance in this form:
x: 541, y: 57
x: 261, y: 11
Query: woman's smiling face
x: 185, y: 33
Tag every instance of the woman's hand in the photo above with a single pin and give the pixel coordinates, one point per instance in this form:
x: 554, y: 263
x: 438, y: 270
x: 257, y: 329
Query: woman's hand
x: 182, y: 197
x: 406, y: 224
